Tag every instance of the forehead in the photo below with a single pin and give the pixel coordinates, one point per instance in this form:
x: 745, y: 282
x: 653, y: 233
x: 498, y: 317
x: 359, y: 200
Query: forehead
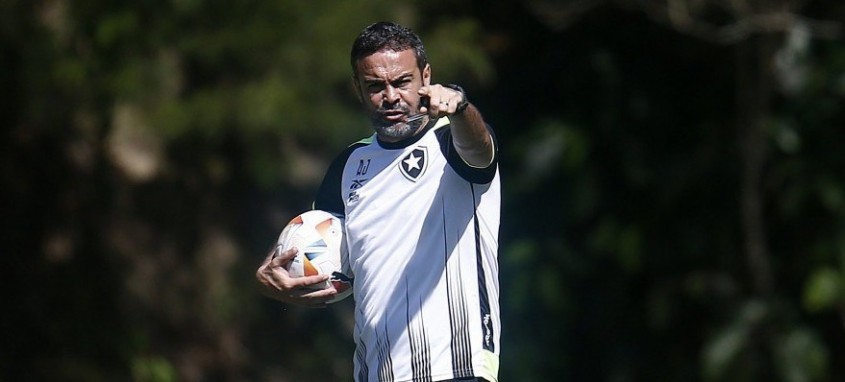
x: 387, y: 64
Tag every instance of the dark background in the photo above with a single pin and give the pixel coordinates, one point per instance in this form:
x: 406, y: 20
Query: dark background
x: 674, y: 202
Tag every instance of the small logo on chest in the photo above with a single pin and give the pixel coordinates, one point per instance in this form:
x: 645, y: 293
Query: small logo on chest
x: 363, y: 167
x: 413, y: 165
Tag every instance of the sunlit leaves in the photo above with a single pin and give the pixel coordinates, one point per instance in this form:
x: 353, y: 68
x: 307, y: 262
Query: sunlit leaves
x: 722, y: 354
x: 825, y: 289
x: 733, y: 352
x: 800, y: 356
x: 153, y: 369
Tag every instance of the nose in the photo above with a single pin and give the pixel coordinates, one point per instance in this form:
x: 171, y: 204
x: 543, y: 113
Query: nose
x: 390, y: 95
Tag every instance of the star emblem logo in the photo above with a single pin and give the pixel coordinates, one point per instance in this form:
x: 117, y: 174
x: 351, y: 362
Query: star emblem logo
x: 413, y: 162
x: 413, y: 165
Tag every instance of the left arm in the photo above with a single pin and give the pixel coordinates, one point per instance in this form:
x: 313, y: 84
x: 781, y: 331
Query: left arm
x: 469, y: 133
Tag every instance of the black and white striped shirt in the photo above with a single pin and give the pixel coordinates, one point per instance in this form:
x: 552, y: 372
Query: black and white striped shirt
x: 422, y: 234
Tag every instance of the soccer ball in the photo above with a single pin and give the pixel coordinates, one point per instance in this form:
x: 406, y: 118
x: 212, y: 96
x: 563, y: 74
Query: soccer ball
x: 318, y: 237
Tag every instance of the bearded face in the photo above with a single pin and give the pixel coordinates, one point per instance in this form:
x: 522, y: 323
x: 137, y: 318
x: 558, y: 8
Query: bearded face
x: 387, y: 83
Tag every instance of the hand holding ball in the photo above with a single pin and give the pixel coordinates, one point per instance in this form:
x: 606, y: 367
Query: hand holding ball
x: 321, y: 249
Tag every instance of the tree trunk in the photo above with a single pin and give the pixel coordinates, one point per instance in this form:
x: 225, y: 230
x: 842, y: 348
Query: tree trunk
x: 755, y: 78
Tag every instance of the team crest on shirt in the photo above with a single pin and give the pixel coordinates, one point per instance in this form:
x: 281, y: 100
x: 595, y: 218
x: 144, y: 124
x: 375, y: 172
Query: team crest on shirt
x: 414, y: 164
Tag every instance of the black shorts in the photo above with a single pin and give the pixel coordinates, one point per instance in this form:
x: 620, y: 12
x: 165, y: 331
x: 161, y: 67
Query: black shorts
x: 471, y: 379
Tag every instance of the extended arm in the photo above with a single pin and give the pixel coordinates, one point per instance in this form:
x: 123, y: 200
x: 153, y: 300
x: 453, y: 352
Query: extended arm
x: 469, y: 132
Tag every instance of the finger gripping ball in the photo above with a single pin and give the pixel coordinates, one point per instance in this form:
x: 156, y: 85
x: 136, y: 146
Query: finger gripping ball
x: 321, y: 249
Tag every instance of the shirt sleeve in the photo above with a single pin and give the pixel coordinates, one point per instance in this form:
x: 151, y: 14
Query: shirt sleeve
x: 478, y: 175
x: 329, y: 196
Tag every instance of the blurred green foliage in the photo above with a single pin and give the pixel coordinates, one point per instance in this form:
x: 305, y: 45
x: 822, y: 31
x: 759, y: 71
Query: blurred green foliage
x: 152, y: 150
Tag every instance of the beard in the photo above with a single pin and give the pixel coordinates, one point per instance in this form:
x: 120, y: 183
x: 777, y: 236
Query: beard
x: 398, y: 130
x: 395, y: 130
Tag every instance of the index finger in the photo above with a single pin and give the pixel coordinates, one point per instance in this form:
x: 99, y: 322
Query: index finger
x: 429, y: 95
x: 307, y: 281
x: 425, y: 99
x: 316, y: 298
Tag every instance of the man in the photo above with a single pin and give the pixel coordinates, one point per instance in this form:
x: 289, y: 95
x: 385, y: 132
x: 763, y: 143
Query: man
x: 421, y: 201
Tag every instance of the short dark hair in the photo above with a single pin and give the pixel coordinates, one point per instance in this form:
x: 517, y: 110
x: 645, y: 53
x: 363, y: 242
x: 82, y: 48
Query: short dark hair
x: 386, y: 35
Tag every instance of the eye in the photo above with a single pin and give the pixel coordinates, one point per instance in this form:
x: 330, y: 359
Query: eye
x: 375, y: 87
x: 402, y: 84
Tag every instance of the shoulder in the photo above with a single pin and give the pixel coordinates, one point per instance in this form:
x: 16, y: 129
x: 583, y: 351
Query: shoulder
x: 328, y: 195
x: 342, y: 158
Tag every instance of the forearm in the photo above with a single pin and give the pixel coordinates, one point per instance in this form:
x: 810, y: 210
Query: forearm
x: 471, y: 138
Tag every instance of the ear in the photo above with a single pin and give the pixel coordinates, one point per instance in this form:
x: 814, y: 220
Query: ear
x: 426, y: 75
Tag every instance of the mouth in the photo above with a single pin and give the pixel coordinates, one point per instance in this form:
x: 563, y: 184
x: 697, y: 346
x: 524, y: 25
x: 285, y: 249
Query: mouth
x: 394, y: 116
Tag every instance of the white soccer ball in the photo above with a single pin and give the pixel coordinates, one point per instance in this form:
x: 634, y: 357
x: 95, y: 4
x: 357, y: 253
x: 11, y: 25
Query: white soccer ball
x: 318, y: 237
